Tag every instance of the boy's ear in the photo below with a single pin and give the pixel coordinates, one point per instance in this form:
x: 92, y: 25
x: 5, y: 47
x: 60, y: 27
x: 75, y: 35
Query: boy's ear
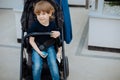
x: 51, y: 12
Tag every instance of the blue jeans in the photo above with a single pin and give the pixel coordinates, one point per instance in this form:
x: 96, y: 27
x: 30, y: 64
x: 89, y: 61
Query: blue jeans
x: 38, y: 64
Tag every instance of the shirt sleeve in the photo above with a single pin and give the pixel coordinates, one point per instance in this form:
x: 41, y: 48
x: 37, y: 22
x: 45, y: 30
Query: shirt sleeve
x: 56, y: 28
x: 31, y: 29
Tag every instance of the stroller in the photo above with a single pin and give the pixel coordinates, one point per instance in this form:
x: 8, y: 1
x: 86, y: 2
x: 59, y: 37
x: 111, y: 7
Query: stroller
x: 26, y: 64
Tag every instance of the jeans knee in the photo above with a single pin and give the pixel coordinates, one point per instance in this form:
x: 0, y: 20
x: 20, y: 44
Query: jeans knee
x: 37, y: 67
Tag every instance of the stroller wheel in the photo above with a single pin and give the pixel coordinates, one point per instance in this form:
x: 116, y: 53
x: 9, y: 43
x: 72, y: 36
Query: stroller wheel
x: 66, y: 66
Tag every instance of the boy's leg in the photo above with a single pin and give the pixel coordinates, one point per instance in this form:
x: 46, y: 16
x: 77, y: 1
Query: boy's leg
x: 36, y: 66
x: 51, y: 58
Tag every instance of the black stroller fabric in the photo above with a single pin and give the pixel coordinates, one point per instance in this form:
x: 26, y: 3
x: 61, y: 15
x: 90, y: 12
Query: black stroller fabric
x: 27, y: 18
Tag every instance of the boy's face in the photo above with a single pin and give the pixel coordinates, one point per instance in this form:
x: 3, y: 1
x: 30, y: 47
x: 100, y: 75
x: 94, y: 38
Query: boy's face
x: 43, y: 17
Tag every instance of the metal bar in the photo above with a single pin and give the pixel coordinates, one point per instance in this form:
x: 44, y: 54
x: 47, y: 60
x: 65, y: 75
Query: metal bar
x: 37, y: 34
x: 63, y: 56
x: 96, y: 4
x: 87, y: 4
x: 74, y: 5
x: 21, y: 56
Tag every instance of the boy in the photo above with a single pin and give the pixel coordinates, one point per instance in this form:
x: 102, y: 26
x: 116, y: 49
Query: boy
x: 44, y: 12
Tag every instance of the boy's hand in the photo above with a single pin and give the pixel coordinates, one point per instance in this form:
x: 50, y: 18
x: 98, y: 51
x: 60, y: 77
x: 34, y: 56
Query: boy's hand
x: 55, y: 34
x: 43, y: 54
x: 59, y: 54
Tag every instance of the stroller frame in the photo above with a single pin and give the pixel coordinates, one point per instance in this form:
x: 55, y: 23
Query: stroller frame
x: 65, y: 65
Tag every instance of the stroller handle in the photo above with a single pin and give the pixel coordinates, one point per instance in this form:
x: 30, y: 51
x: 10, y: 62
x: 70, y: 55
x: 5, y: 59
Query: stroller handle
x: 38, y: 34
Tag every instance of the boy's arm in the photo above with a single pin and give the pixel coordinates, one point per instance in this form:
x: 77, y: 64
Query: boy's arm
x: 55, y: 34
x: 34, y: 45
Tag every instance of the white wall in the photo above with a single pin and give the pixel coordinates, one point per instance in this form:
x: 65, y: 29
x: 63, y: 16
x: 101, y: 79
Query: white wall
x: 11, y: 3
x: 18, y: 13
x: 104, y: 32
x: 17, y: 6
x: 78, y: 2
x: 6, y: 3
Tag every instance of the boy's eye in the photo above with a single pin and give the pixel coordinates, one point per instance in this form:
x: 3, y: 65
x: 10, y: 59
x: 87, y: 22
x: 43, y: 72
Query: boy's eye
x: 43, y: 13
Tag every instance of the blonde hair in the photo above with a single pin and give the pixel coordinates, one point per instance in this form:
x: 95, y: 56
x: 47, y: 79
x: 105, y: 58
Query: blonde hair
x: 44, y: 6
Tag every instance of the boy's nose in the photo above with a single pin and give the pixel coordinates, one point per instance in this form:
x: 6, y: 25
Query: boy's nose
x: 40, y: 16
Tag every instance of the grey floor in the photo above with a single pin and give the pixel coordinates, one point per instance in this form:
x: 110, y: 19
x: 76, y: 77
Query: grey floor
x: 84, y: 64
